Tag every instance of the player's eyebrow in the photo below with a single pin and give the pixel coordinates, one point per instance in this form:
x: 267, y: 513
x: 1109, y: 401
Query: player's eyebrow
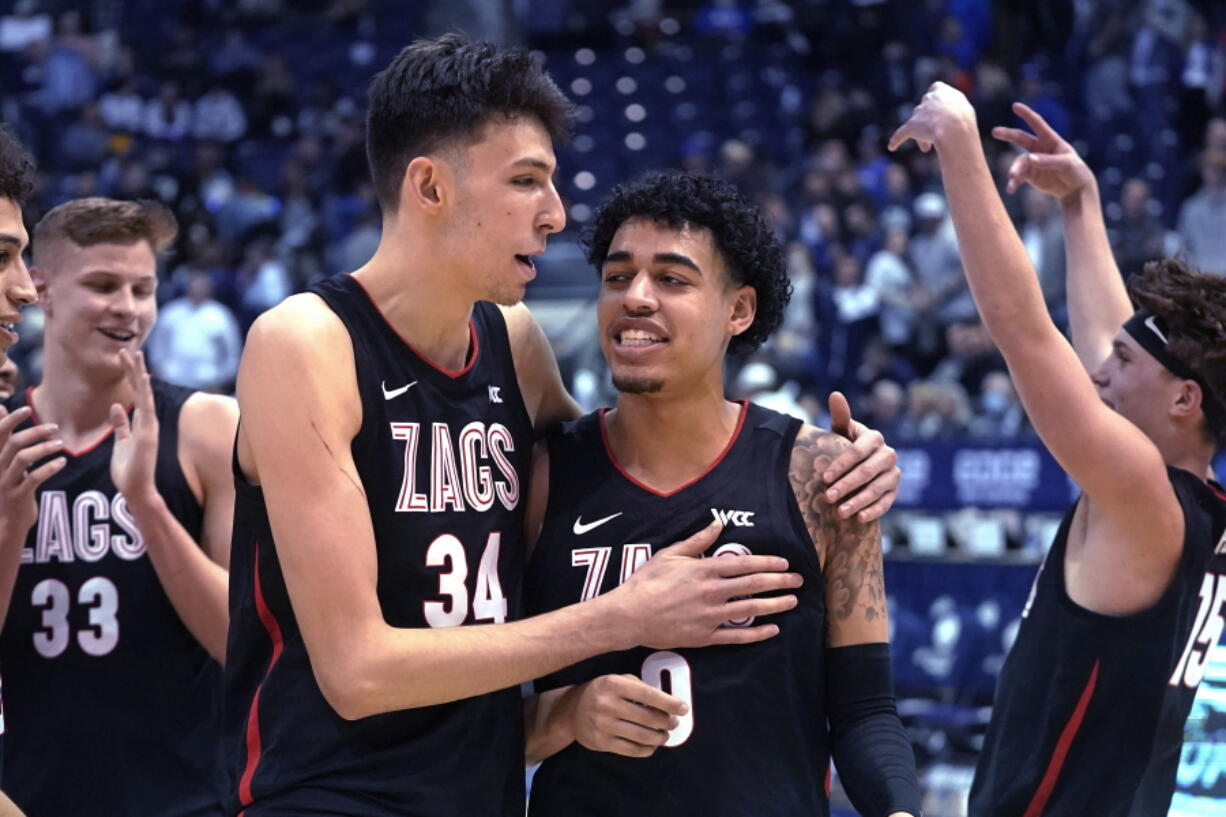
x: 8, y: 238
x: 676, y: 258
x: 529, y: 161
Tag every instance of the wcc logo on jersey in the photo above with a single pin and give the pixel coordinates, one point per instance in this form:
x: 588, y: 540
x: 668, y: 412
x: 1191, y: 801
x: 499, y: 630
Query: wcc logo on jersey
x: 733, y: 519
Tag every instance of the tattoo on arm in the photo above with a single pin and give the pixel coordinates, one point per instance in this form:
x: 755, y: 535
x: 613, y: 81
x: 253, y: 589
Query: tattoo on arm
x: 849, y: 550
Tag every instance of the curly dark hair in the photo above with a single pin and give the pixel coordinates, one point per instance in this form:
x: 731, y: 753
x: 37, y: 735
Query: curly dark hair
x: 436, y: 91
x: 16, y: 169
x: 752, y: 253
x: 1192, y: 306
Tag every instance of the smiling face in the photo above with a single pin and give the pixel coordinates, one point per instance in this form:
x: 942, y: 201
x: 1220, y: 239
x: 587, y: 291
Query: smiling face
x: 98, y: 300
x: 16, y: 287
x: 667, y: 307
x: 503, y: 206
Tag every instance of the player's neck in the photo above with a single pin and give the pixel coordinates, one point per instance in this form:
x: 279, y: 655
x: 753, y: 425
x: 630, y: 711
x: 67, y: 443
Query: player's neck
x: 665, y: 441
x: 1186, y: 452
x: 420, y: 301
x: 78, y: 401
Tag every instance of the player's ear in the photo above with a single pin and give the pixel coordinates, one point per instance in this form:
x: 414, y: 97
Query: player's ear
x: 39, y: 276
x: 744, y: 309
x: 1188, y: 399
x: 422, y: 185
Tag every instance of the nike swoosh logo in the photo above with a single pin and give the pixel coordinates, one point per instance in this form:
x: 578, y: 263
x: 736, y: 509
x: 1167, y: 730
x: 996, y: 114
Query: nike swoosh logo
x: 582, y: 528
x: 1152, y: 323
x: 394, y: 393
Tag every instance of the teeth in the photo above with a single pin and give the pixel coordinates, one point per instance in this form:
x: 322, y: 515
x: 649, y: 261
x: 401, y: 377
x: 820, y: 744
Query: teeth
x: 637, y: 337
x: 9, y: 326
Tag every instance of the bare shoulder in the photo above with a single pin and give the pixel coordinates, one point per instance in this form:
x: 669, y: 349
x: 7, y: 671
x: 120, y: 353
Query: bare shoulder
x: 536, y: 368
x: 521, y: 323
x: 297, y: 317
x: 209, y: 420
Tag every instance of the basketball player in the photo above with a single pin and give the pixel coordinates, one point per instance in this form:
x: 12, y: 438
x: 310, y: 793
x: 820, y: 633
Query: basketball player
x: 1091, y: 702
x: 17, y: 450
x: 117, y: 621
x: 382, y: 458
x: 689, y: 272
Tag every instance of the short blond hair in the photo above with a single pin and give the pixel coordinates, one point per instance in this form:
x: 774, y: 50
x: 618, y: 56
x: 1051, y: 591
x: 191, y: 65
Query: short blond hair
x: 95, y: 220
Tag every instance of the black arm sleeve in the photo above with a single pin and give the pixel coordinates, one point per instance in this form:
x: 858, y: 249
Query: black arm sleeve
x: 870, y: 746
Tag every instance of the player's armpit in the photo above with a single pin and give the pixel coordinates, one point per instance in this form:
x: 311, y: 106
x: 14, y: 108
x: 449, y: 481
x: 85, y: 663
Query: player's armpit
x: 540, y: 382
x: 849, y: 550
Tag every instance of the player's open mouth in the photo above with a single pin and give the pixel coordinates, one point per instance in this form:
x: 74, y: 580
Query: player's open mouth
x: 118, y: 334
x: 526, y: 260
x: 8, y: 332
x: 638, y: 339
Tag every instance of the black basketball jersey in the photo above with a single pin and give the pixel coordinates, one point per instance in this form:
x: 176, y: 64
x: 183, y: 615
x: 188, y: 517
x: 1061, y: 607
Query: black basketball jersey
x: 1090, y: 709
x: 755, y: 740
x: 443, y: 458
x: 111, y: 705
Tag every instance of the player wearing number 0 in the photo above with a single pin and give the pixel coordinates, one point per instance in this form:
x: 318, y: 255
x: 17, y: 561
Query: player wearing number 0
x: 387, y: 425
x: 117, y: 621
x: 1091, y: 702
x: 689, y: 272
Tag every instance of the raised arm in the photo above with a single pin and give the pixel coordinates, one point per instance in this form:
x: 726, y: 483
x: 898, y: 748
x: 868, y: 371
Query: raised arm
x: 194, y: 581
x: 1097, y: 299
x: 869, y: 745
x: 298, y: 394
x: 1120, y: 469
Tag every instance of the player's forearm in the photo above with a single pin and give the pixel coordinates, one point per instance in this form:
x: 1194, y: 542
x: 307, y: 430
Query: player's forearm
x: 196, y: 586
x: 1097, y: 299
x: 1002, y: 280
x: 547, y: 729
x: 385, y: 669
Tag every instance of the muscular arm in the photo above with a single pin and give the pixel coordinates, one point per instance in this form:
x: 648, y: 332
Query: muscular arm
x: 298, y: 394
x: 869, y: 746
x: 1120, y: 469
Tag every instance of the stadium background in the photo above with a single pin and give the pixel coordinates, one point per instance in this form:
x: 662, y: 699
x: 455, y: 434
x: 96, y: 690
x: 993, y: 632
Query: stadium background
x: 246, y: 117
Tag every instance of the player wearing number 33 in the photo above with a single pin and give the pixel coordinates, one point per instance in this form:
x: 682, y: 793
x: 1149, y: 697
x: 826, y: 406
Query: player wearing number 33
x: 689, y: 271
x: 117, y: 621
x: 1092, y: 699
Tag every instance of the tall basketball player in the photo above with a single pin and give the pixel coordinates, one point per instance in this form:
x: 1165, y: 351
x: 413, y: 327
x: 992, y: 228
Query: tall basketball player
x: 690, y: 272
x: 118, y: 616
x: 382, y: 458
x: 17, y: 450
x: 1115, y: 637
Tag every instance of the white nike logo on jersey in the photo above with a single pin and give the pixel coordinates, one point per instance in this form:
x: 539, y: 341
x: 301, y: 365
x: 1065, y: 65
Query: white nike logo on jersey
x: 582, y: 528
x: 394, y: 393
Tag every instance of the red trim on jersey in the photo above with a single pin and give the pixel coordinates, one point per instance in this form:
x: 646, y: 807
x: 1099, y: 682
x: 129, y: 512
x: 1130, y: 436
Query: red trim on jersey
x: 1048, y: 783
x: 472, y: 338
x: 829, y: 775
x: 73, y: 454
x: 253, y: 719
x: 1217, y: 490
x: 736, y: 432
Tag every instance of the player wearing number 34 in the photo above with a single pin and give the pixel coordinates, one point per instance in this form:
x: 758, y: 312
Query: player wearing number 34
x: 689, y: 272
x: 1091, y: 704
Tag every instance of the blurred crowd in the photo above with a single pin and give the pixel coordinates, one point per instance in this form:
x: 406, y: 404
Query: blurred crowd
x: 246, y: 117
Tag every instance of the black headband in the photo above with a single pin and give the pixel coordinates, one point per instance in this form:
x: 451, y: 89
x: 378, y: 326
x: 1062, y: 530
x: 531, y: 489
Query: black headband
x: 1150, y: 332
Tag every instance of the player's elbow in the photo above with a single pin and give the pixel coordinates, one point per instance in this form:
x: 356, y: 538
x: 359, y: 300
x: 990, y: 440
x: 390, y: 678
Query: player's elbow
x: 347, y: 686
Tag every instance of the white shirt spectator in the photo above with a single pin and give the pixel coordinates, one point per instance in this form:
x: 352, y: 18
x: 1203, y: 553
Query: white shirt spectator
x: 196, y: 344
x: 219, y: 116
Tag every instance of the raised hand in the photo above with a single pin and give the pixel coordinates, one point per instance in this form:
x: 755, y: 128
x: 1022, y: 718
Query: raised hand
x: 623, y: 715
x: 1049, y: 163
x: 18, y: 482
x: 678, y: 599
x: 134, y: 458
x: 944, y: 113
x: 867, y: 473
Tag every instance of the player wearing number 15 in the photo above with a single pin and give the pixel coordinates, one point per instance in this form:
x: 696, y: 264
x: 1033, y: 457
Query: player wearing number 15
x: 1090, y: 708
x: 118, y: 616
x: 690, y: 271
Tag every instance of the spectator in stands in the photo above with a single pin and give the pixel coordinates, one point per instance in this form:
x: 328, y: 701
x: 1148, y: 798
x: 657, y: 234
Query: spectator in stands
x: 886, y: 406
x: 1000, y: 415
x: 196, y: 342
x: 218, y: 115
x: 168, y: 116
x: 83, y: 144
x: 122, y: 108
x: 847, y: 317
x: 889, y: 273
x: 1042, y: 232
x: 1202, y: 218
x: 1136, y: 233
x: 942, y: 296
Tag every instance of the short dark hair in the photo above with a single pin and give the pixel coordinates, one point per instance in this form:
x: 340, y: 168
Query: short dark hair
x: 437, y: 91
x: 89, y: 221
x: 1192, y: 306
x: 16, y: 169
x: 750, y: 249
